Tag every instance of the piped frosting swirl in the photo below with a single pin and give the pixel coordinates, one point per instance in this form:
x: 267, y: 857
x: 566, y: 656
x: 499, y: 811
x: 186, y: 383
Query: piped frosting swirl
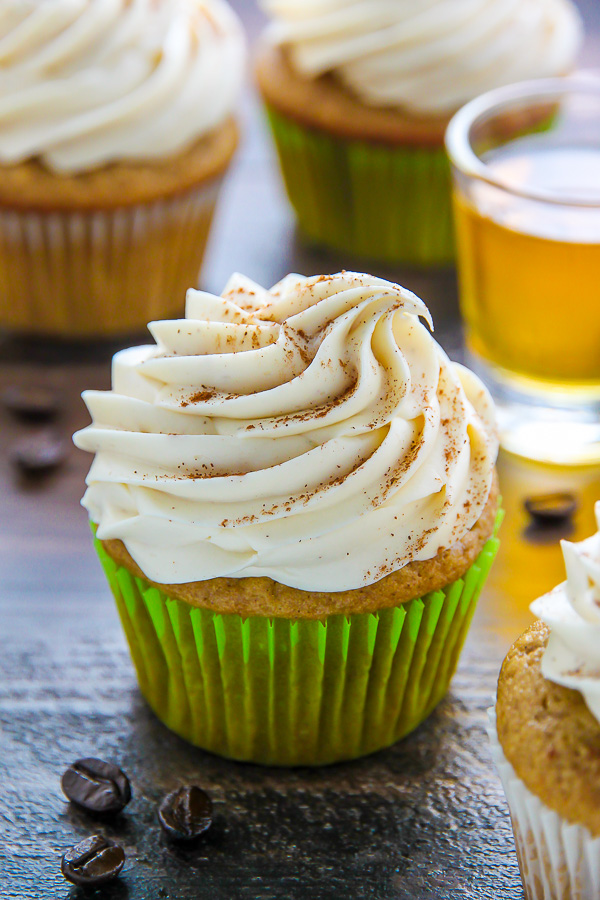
x: 314, y: 433
x: 572, y: 612
x: 88, y: 82
x: 430, y: 56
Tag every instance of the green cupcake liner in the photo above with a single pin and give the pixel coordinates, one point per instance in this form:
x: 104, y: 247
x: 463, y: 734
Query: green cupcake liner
x: 391, y: 203
x: 306, y: 692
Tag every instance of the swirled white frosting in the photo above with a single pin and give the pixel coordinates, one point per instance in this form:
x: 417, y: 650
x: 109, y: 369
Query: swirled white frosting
x: 314, y: 433
x: 429, y: 56
x: 572, y: 612
x: 87, y: 82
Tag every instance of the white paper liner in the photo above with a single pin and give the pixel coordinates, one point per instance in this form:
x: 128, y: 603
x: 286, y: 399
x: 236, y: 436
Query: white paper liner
x: 102, y: 272
x: 558, y: 860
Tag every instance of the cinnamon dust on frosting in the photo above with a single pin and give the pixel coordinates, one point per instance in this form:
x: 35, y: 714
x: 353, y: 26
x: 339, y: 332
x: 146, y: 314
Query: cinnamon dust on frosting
x: 315, y: 433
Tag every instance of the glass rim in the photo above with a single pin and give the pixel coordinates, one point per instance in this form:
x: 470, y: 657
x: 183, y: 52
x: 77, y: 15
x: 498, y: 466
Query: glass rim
x: 458, y: 143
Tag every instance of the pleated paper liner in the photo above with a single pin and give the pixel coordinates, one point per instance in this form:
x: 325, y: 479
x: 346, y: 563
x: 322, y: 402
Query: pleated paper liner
x: 82, y: 274
x: 306, y: 692
x: 390, y: 203
x: 558, y: 860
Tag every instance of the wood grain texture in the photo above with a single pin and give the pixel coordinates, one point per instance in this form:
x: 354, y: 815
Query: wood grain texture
x: 425, y: 819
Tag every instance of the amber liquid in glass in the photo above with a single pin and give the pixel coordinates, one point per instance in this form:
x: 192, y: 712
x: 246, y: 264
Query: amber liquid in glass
x: 529, y: 271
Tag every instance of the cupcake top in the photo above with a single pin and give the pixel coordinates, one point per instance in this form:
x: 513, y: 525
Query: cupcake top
x: 314, y: 433
x: 572, y: 612
x: 428, y: 57
x: 88, y: 82
x: 548, y: 734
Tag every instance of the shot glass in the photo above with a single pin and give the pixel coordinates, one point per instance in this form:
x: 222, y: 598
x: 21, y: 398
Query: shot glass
x: 526, y: 173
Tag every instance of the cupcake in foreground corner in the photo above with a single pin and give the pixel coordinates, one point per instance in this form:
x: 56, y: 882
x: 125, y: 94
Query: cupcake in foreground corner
x: 295, y: 504
x: 359, y: 95
x: 115, y: 131
x: 546, y: 734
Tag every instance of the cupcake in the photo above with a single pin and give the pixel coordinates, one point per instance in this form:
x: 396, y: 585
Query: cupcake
x: 115, y: 131
x: 359, y: 95
x: 546, y: 734
x: 295, y: 504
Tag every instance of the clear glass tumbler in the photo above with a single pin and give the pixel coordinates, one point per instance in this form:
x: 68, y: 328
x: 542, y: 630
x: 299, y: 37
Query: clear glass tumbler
x: 526, y: 172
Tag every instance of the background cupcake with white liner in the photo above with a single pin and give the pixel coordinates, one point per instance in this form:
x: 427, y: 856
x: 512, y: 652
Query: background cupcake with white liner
x: 545, y: 734
x: 359, y: 93
x: 295, y: 502
x: 115, y: 131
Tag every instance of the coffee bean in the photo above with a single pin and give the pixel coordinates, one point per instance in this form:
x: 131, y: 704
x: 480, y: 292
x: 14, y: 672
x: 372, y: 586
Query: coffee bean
x: 97, y: 786
x: 93, y: 861
x: 39, y: 452
x: 186, y: 813
x: 549, y: 509
x: 32, y: 401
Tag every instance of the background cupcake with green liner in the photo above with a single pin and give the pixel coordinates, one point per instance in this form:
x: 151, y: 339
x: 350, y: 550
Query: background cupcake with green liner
x: 359, y: 94
x: 295, y: 504
x: 115, y: 131
x: 545, y: 734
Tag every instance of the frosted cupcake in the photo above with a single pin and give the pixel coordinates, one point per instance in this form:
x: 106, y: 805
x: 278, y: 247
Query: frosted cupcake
x: 547, y: 739
x: 295, y: 505
x: 359, y: 94
x: 115, y: 131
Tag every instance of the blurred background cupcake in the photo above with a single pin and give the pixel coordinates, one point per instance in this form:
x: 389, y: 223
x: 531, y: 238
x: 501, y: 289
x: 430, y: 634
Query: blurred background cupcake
x: 545, y: 734
x: 296, y: 504
x: 359, y: 93
x: 115, y: 131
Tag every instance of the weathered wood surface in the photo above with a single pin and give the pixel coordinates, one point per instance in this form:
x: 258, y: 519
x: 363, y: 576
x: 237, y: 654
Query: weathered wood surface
x: 425, y: 819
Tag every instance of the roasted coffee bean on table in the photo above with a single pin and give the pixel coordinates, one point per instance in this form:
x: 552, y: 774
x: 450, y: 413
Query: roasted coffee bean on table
x: 38, y: 452
x: 97, y: 786
x: 186, y: 813
x: 550, y: 509
x: 32, y: 401
x: 93, y: 861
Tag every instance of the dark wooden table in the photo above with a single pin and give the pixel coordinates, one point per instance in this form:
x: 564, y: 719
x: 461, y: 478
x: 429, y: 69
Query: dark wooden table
x: 425, y: 819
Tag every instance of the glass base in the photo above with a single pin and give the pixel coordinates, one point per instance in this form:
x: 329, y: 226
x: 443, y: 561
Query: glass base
x: 540, y: 421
